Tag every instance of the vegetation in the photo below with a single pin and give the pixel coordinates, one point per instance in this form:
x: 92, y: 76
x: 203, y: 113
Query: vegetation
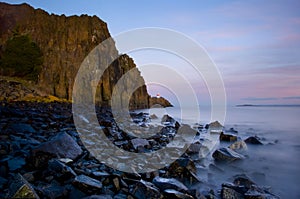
x: 21, y: 58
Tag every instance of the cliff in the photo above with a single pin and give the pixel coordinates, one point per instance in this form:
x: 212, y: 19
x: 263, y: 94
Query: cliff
x: 65, y: 42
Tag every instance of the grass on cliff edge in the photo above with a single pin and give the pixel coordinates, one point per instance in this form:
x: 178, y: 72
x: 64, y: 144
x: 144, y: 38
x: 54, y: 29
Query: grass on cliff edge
x: 42, y: 97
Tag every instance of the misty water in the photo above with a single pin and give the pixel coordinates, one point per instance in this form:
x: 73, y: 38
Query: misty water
x: 275, y: 164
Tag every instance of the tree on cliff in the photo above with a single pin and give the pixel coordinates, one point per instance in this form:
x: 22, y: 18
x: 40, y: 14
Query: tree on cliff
x: 22, y: 58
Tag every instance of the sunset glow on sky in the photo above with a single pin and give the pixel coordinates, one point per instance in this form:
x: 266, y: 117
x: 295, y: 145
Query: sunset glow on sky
x: 255, y: 44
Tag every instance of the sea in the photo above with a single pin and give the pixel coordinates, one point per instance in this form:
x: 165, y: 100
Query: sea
x: 275, y: 165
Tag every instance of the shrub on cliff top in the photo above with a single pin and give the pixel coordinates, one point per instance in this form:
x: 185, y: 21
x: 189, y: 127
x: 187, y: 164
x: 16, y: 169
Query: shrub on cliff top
x: 22, y: 58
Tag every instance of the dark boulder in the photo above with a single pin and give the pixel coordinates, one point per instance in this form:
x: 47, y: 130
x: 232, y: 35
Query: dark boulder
x: 185, y: 169
x: 87, y: 184
x: 168, y: 120
x: 227, y: 137
x: 226, y: 154
x: 61, y: 171
x: 243, y: 180
x: 253, y: 140
x: 214, y: 125
x: 60, y: 146
x: 230, y: 191
x: 168, y: 183
x: 145, y: 190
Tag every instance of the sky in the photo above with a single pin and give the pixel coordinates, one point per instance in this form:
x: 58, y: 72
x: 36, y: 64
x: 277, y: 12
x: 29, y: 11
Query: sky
x: 254, y: 44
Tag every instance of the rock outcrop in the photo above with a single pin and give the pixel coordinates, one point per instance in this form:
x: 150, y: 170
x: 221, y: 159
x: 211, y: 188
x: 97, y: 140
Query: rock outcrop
x: 65, y: 42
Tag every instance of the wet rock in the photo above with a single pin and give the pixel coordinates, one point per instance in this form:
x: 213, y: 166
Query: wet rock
x: 227, y: 137
x: 145, y: 190
x: 215, y: 125
x: 139, y: 142
x: 226, y: 154
x: 87, y: 184
x: 169, y: 183
x: 238, y: 146
x: 253, y: 140
x: 20, y: 188
x: 61, y: 146
x: 170, y: 193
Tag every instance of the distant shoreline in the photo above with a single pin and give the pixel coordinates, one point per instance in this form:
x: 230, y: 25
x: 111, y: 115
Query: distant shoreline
x: 268, y: 105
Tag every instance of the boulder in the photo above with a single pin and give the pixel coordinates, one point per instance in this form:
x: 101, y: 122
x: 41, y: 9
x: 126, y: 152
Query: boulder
x: 185, y: 169
x: 243, y: 180
x: 253, y: 140
x: 238, y: 146
x: 227, y: 137
x: 226, y: 154
x: 145, y: 190
x: 215, y: 125
x: 168, y: 120
x: 169, y: 183
x: 87, y: 184
x: 60, y: 146
x: 229, y: 192
x: 194, y: 148
x: 61, y: 171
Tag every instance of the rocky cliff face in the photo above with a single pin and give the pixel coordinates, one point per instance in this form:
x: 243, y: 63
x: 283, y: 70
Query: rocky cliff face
x: 65, y: 42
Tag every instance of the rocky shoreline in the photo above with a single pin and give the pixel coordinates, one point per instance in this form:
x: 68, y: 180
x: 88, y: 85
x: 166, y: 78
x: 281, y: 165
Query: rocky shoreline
x: 42, y: 156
